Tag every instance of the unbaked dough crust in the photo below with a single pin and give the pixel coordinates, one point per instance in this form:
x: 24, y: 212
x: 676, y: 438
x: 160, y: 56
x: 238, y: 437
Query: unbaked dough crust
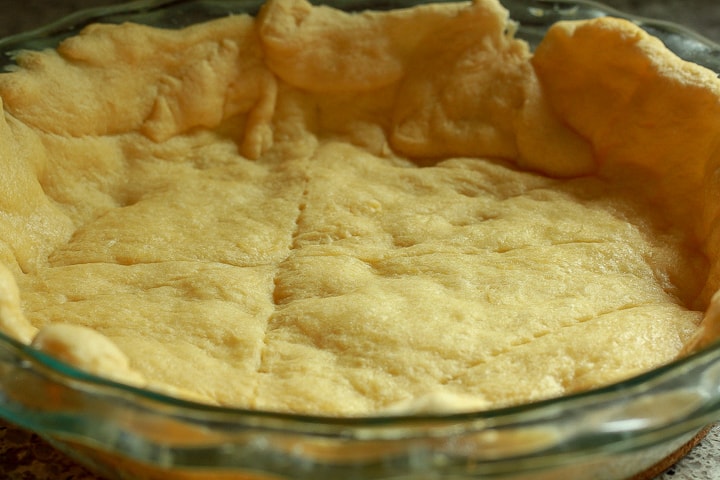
x: 322, y: 212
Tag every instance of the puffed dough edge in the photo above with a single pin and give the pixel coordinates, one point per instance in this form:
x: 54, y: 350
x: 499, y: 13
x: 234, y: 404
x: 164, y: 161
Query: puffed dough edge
x: 80, y: 347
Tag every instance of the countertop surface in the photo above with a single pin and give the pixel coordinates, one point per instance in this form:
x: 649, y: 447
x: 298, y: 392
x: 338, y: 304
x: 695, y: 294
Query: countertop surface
x: 24, y: 456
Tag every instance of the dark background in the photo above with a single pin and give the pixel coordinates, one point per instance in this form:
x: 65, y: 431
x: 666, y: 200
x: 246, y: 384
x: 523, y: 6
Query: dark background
x: 701, y: 15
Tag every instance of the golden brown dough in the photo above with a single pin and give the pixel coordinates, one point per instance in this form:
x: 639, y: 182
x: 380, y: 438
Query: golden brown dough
x: 323, y: 212
x: 654, y: 121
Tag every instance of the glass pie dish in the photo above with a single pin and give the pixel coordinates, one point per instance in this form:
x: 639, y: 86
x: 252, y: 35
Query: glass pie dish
x: 123, y: 432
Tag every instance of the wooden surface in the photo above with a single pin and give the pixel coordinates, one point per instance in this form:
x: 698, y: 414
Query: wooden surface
x: 25, y: 456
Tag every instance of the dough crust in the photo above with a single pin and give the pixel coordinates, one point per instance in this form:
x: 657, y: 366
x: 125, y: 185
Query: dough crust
x: 322, y: 212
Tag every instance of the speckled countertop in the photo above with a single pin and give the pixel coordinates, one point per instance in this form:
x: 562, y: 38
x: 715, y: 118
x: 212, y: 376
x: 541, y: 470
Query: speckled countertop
x: 24, y: 456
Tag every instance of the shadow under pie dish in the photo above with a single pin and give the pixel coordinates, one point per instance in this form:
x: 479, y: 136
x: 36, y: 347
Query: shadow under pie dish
x: 119, y: 187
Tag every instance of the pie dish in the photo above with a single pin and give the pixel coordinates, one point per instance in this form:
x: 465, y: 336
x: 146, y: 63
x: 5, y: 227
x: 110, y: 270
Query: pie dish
x: 509, y: 441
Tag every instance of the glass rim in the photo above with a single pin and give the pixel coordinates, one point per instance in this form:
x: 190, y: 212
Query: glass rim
x: 70, y: 23
x: 640, y: 384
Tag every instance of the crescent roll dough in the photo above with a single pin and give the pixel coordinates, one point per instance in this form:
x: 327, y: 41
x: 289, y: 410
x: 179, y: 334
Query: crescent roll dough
x: 342, y: 213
